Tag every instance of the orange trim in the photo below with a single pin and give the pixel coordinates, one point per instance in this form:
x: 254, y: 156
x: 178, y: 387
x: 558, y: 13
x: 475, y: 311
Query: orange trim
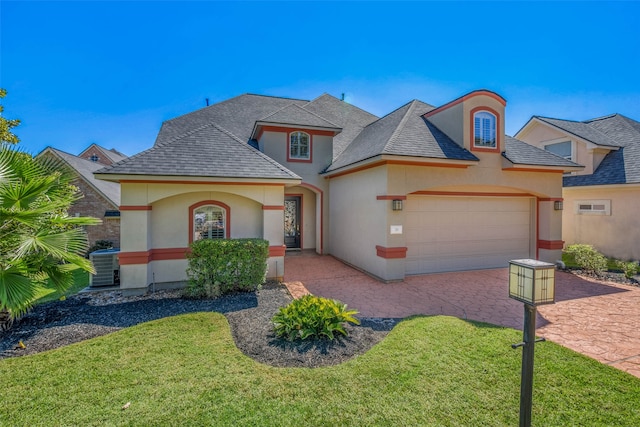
x: 391, y: 197
x: 532, y: 170
x: 146, y: 181
x: 463, y: 98
x: 398, y: 162
x: 272, y: 208
x: 552, y: 199
x: 277, y: 250
x: 391, y: 253
x: 299, y: 160
x: 210, y: 202
x: 164, y: 254
x: 495, y: 149
x: 288, y: 130
x: 470, y: 193
x: 135, y: 208
x: 551, y: 244
x: 129, y: 258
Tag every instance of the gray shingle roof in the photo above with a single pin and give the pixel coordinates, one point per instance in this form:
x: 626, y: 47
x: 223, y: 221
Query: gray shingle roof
x: 618, y: 167
x: 350, y: 118
x: 521, y: 153
x: 207, y: 151
x: 237, y: 115
x: 582, y: 130
x: 403, y: 132
x: 85, y: 169
x: 294, y: 114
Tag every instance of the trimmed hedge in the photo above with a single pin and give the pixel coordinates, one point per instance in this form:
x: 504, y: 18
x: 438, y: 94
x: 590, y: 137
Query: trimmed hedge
x: 218, y: 267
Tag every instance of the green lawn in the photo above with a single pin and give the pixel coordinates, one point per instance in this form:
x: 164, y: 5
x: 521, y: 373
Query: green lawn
x: 80, y: 281
x: 186, y: 370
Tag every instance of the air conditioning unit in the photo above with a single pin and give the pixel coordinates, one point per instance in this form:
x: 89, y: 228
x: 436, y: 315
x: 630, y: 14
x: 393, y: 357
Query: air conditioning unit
x: 105, y: 261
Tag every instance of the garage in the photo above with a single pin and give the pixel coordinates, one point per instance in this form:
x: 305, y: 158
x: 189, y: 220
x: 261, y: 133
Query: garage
x: 453, y: 233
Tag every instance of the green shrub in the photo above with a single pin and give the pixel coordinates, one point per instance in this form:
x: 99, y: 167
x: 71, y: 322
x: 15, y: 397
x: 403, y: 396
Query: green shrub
x: 587, y: 258
x: 312, y: 317
x: 629, y: 269
x: 218, y: 267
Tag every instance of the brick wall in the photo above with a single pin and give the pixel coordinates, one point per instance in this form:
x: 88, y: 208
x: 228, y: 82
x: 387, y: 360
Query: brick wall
x: 94, y: 205
x: 94, y: 151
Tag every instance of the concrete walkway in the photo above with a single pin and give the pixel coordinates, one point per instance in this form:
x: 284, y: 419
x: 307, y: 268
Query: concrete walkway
x: 597, y: 319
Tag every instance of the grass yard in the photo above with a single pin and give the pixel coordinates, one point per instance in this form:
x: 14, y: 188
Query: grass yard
x: 186, y: 370
x: 80, y: 281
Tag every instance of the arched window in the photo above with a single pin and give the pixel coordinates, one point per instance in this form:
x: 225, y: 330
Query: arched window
x: 299, y: 146
x: 484, y: 129
x: 209, y: 222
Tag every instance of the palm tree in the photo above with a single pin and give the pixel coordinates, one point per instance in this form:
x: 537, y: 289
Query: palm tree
x: 40, y: 245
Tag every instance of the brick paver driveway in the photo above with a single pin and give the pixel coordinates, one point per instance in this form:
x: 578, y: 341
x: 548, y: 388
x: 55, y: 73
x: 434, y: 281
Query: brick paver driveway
x: 597, y: 319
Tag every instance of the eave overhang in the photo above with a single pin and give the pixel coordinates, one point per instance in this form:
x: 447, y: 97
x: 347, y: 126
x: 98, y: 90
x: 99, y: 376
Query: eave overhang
x: 388, y: 159
x: 182, y: 179
x: 260, y: 126
x: 508, y: 165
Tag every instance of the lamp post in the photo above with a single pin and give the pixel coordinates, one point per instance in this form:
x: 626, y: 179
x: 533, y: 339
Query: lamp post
x: 533, y: 283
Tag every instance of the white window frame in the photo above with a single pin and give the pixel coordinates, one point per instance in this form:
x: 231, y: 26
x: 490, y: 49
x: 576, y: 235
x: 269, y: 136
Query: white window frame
x: 482, y: 130
x: 297, y: 155
x: 571, y: 157
x: 593, y: 207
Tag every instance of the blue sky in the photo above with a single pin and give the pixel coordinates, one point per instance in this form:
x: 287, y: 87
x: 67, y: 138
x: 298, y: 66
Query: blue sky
x: 110, y: 73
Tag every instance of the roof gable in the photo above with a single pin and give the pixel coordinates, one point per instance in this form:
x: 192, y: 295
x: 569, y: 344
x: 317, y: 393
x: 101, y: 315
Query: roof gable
x: 208, y: 151
x: 581, y: 130
x: 293, y: 114
x: 521, y: 153
x: 85, y: 169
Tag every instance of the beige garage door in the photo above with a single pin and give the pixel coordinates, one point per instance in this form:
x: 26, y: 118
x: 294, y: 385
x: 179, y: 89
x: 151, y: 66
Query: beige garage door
x: 466, y: 233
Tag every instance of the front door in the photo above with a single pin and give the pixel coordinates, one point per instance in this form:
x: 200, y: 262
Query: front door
x: 292, y: 222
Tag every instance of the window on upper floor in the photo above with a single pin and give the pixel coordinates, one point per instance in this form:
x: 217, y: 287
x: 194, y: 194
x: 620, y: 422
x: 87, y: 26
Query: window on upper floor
x: 299, y: 146
x: 562, y: 149
x: 94, y: 158
x: 209, y: 222
x: 484, y: 130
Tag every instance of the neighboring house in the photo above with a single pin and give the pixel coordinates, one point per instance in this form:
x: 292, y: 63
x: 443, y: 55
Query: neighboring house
x: 101, y: 199
x: 601, y: 202
x: 420, y: 190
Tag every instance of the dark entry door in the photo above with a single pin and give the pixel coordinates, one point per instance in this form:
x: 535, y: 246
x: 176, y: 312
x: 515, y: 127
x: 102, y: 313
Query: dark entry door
x: 292, y: 222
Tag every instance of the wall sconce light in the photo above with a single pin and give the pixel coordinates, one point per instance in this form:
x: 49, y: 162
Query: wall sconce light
x: 396, y: 205
x: 558, y: 205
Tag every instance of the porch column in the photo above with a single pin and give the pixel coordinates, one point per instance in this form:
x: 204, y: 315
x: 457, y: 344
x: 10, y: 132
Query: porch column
x: 549, y: 244
x: 273, y: 231
x: 135, y: 247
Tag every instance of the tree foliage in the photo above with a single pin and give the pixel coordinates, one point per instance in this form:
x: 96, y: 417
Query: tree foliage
x: 40, y: 245
x: 6, y: 126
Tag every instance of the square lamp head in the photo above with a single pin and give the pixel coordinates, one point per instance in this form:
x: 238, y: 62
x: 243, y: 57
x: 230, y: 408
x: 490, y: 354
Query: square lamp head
x: 532, y: 282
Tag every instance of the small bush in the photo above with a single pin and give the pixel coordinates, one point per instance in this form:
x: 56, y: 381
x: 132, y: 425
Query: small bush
x: 312, y: 317
x: 219, y: 267
x: 629, y: 269
x: 587, y: 258
x: 100, y: 244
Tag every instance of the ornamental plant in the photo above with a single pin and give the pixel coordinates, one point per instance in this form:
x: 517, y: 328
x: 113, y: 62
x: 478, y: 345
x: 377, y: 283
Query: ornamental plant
x: 219, y: 267
x: 587, y: 258
x: 312, y: 317
x: 629, y: 269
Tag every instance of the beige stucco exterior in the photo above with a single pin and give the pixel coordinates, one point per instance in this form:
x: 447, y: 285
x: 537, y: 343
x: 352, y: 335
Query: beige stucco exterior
x: 612, y: 233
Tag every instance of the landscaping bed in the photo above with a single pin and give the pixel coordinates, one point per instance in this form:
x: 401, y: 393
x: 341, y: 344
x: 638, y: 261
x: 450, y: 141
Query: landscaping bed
x: 87, y: 315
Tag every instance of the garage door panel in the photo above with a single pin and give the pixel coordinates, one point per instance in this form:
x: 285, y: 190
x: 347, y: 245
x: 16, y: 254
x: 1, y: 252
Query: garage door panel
x: 464, y: 233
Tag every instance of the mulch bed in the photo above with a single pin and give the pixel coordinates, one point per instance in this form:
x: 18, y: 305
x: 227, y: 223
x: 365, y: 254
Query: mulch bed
x: 87, y: 315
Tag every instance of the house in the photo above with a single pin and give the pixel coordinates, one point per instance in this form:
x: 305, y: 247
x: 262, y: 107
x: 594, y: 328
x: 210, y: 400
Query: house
x: 101, y: 199
x: 601, y: 202
x: 423, y: 189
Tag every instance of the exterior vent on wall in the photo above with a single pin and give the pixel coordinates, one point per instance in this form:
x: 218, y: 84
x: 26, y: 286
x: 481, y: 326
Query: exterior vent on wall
x: 105, y: 261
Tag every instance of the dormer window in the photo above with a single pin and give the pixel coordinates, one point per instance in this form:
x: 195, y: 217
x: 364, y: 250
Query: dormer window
x: 562, y: 149
x: 484, y: 129
x: 299, y: 146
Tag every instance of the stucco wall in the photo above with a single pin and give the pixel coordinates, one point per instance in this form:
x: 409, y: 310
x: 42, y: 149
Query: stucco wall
x: 450, y: 121
x: 358, y: 220
x: 616, y: 235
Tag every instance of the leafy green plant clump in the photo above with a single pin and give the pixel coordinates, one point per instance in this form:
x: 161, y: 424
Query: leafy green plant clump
x: 629, y: 269
x: 312, y: 317
x: 587, y: 258
x: 219, y: 267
